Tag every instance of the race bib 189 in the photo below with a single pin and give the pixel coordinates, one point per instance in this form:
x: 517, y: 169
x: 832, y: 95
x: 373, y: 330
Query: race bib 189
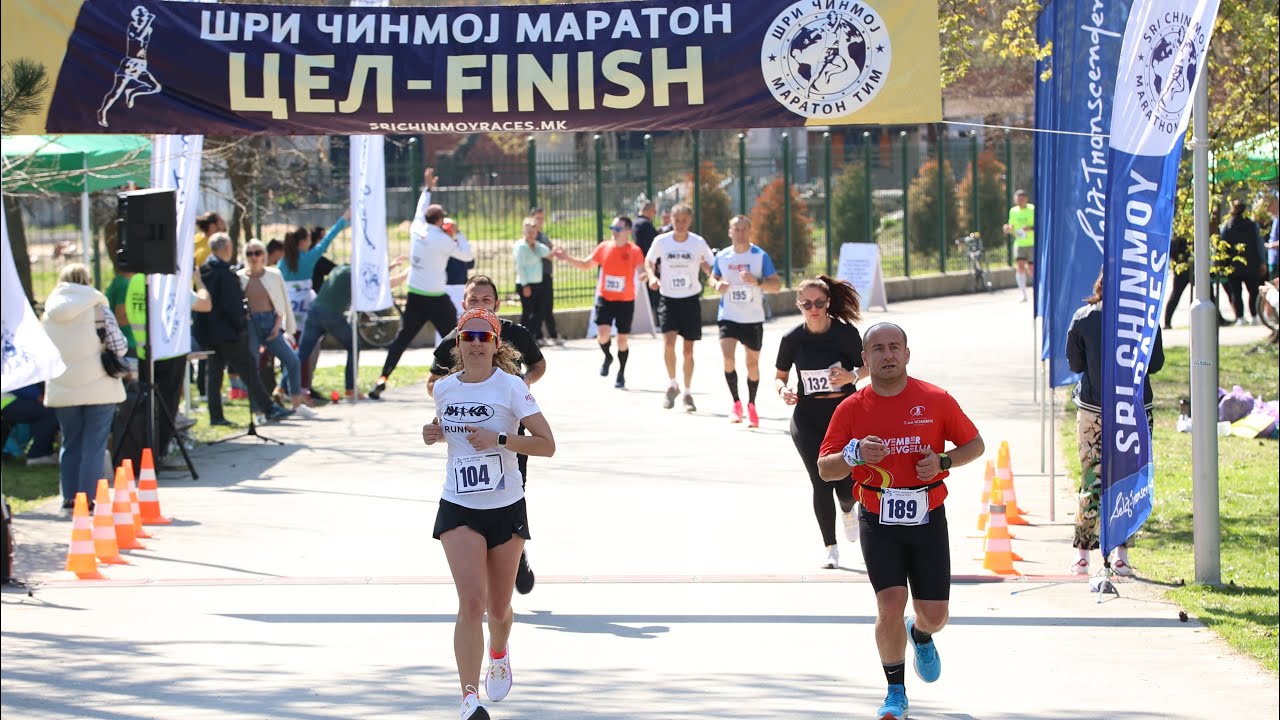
x: 477, y: 473
x: 904, y: 507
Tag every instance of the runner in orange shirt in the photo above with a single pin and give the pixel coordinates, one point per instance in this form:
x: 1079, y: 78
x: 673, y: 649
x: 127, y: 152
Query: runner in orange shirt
x: 618, y: 259
x: 893, y: 436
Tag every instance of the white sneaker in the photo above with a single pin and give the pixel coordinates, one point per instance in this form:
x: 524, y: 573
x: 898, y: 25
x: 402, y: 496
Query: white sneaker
x: 50, y: 459
x: 471, y: 707
x: 1122, y: 568
x: 1081, y: 567
x: 182, y: 422
x: 497, y: 681
x: 305, y: 412
x: 831, y: 560
x: 851, y: 529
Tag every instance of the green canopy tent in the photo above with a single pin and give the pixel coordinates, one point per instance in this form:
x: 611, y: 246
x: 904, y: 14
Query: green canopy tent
x: 1252, y: 160
x: 76, y: 164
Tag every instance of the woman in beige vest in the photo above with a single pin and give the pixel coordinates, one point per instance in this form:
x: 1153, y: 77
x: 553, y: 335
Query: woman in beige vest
x: 271, y: 319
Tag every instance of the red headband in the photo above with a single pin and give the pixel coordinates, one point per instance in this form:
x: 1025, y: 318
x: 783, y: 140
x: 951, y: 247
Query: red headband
x: 482, y: 314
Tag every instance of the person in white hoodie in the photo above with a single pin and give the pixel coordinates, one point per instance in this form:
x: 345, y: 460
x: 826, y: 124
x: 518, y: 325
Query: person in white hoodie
x: 271, y: 319
x: 81, y: 325
x: 428, y: 299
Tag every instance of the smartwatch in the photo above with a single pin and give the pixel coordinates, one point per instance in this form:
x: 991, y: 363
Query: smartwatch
x: 944, y: 461
x: 502, y: 442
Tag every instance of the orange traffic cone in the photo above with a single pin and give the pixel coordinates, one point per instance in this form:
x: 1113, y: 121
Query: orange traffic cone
x: 149, y: 492
x: 998, y: 529
x: 122, y: 511
x: 80, y: 557
x: 998, y: 556
x: 1004, y: 471
x: 986, y: 494
x: 138, y: 530
x: 104, y: 528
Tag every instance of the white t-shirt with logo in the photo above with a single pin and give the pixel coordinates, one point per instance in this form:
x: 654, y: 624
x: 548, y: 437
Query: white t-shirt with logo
x: 742, y: 303
x: 680, y: 263
x: 488, y: 479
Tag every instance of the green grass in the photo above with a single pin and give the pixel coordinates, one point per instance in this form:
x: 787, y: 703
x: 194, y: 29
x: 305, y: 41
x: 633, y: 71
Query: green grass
x: 1244, y: 609
x: 28, y: 487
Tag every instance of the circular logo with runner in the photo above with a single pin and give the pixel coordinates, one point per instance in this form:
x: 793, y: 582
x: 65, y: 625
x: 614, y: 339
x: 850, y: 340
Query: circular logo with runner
x: 1171, y: 56
x: 826, y: 62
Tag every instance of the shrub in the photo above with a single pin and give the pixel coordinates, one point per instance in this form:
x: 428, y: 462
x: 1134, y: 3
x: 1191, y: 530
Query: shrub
x: 849, y: 207
x: 992, y: 208
x: 769, y: 227
x: 926, y: 205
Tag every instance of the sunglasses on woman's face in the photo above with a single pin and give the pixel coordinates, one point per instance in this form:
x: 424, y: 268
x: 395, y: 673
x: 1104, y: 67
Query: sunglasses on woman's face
x: 617, y: 228
x: 254, y: 253
x: 481, y: 336
x: 820, y: 304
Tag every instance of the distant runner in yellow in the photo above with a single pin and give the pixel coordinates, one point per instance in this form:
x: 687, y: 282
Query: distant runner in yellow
x: 1022, y: 226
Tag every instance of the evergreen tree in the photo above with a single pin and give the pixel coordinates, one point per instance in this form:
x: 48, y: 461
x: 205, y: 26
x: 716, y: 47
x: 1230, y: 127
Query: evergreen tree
x: 768, y: 227
x: 992, y: 206
x: 925, y: 205
x: 849, y: 205
x: 713, y: 205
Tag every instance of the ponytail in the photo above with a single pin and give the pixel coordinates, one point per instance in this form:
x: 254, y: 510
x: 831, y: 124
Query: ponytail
x: 842, y: 298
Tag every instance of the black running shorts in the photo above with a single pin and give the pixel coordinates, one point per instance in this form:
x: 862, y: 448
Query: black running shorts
x: 751, y: 335
x: 497, y: 525
x: 918, y: 554
x: 682, y: 316
x: 609, y: 312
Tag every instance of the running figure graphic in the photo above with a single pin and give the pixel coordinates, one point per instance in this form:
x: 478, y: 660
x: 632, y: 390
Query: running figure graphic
x: 132, y: 77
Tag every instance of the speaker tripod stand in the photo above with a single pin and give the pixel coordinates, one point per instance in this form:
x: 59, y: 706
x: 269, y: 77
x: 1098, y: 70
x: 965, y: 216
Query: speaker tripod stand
x: 252, y: 430
x: 148, y: 398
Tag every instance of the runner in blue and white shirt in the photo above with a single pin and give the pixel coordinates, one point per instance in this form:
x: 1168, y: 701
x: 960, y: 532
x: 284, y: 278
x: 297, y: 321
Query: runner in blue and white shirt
x: 743, y: 273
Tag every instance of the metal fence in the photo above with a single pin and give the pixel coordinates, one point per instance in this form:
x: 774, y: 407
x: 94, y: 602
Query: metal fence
x: 605, y: 176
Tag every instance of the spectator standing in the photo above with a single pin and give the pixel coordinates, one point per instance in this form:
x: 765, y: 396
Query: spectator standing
x: 1180, y: 267
x: 224, y: 331
x: 546, y: 293
x: 271, y: 319
x: 1245, y: 269
x: 84, y: 397
x: 644, y: 232
x: 530, y: 281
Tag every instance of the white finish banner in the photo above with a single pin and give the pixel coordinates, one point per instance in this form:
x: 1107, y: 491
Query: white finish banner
x: 29, y: 355
x: 370, y: 277
x: 175, y: 164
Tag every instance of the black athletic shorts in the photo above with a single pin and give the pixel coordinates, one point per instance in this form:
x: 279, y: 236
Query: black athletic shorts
x: 898, y: 554
x: 497, y: 525
x: 682, y: 316
x: 749, y: 334
x: 609, y: 312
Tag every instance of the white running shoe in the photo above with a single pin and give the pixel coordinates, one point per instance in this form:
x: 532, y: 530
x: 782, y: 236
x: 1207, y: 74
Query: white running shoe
x: 1122, y: 568
x: 851, y: 529
x: 471, y: 707
x: 1081, y: 567
x: 305, y: 412
x: 497, y: 681
x: 831, y: 560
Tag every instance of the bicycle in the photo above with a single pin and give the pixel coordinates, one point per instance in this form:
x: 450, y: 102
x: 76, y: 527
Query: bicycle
x: 977, y: 261
x: 378, y: 329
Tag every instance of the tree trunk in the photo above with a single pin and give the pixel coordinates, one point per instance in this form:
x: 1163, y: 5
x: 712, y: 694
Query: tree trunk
x: 18, y: 243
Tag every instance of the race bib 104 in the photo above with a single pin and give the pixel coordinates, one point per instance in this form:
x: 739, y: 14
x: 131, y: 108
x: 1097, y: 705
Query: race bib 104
x: 477, y: 473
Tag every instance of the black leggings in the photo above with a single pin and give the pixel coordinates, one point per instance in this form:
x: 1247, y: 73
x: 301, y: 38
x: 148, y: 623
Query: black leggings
x: 808, y: 428
x: 418, y: 310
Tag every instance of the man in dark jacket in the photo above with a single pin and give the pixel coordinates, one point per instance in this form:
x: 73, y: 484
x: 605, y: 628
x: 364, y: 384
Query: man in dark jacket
x: 1247, y: 266
x: 224, y: 332
x: 644, y: 232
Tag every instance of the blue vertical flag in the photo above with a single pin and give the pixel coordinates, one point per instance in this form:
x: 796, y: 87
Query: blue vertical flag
x: 1071, y: 165
x: 1165, y: 52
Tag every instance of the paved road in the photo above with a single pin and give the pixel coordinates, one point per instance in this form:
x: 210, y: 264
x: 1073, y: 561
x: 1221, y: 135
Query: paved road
x: 677, y: 560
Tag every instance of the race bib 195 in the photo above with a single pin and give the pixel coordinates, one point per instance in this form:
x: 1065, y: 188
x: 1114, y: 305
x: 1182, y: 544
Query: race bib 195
x: 741, y: 294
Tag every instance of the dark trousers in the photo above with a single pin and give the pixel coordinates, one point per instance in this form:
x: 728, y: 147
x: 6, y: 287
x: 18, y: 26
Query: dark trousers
x: 1236, y: 286
x: 439, y: 310
x: 545, y: 293
x: 43, y: 422
x: 1180, y: 283
x: 321, y: 322
x: 531, y: 308
x: 234, y: 355
x: 129, y: 429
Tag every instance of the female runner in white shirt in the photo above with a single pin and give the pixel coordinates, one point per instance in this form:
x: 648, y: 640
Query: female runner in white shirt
x: 482, y: 521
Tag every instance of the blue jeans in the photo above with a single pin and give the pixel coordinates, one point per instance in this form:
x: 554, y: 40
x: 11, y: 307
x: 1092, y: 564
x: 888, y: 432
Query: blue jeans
x: 43, y: 421
x: 321, y: 322
x: 85, y: 430
x: 260, y: 324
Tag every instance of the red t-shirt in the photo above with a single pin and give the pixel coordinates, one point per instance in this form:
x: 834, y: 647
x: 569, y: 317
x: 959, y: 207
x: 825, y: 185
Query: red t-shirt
x: 618, y: 265
x: 922, y: 416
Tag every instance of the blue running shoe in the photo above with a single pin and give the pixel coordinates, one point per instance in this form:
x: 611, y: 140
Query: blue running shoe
x: 927, y: 663
x: 895, y: 704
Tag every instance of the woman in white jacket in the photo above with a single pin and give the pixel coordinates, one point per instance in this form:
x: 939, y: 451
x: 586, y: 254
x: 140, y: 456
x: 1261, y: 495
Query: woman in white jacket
x: 271, y: 319
x: 84, y: 397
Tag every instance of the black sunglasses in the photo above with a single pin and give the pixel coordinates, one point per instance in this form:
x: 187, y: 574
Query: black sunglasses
x: 254, y: 253
x: 820, y: 304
